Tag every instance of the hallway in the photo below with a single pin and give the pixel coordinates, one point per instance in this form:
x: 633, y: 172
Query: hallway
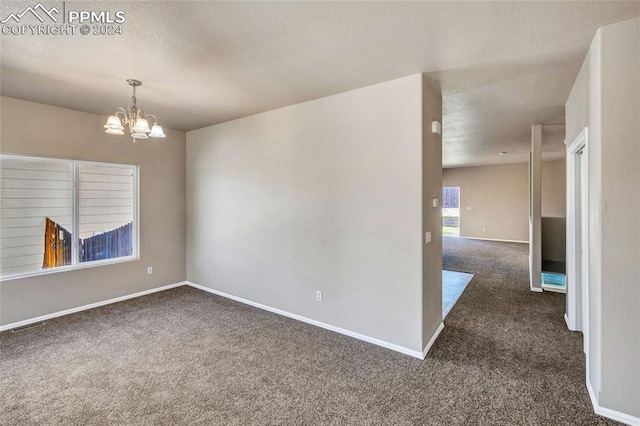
x: 510, y: 347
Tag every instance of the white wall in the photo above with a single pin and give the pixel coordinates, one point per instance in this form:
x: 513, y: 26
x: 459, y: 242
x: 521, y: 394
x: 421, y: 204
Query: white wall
x: 325, y: 195
x: 605, y: 99
x: 162, y: 208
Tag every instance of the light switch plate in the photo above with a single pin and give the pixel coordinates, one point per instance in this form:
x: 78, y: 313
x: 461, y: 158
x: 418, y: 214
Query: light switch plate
x: 427, y: 237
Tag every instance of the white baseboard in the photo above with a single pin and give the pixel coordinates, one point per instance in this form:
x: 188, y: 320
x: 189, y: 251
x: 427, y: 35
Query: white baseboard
x: 536, y: 290
x: 494, y: 239
x: 89, y: 306
x: 609, y: 413
x: 566, y: 321
x: 432, y: 340
x: 368, y: 339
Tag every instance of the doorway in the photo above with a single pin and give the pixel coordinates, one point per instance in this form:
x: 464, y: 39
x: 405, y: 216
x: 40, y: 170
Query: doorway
x: 451, y: 211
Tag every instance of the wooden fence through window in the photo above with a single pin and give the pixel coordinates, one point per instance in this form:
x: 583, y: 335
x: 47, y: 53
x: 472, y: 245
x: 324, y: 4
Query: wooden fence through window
x: 108, y: 245
x: 57, y: 245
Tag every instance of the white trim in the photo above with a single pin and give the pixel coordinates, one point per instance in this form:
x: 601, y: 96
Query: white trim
x: 594, y: 292
x: 89, y: 306
x: 535, y: 289
x: 609, y: 413
x: 573, y: 302
x: 19, y: 156
x: 75, y: 223
x: 368, y: 339
x: 535, y: 209
x: 577, y: 283
x: 68, y: 268
x: 492, y: 239
x: 136, y: 211
x: 566, y: 321
x: 425, y: 351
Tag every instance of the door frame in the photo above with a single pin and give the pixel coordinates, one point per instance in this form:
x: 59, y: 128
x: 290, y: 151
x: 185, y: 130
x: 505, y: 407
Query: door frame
x: 577, y: 311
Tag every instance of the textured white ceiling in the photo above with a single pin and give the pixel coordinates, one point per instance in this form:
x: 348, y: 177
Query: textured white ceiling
x: 501, y: 66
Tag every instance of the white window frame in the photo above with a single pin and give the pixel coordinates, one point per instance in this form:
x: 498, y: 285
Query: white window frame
x: 75, y: 263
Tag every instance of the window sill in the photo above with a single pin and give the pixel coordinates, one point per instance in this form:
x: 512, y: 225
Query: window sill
x: 80, y: 266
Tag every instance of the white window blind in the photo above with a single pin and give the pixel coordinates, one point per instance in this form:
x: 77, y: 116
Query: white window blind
x: 61, y: 214
x: 106, y: 211
x: 32, y: 190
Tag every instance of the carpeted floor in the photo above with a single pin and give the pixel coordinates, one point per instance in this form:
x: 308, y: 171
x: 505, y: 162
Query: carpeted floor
x: 185, y: 357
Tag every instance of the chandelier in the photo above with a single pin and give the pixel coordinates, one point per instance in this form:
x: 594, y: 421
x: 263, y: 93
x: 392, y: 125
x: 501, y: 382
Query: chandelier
x: 134, y: 118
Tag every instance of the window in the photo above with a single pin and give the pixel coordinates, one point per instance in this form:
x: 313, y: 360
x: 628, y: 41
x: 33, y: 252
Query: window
x: 105, y: 210
x: 58, y: 215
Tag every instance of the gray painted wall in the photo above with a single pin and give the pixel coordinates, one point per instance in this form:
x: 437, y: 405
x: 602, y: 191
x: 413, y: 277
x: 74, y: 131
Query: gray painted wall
x: 431, y: 217
x: 554, y: 211
x: 499, y: 198
x: 620, y: 204
x: 64, y: 133
x: 324, y: 195
x: 583, y: 109
x: 554, y: 189
x: 605, y: 99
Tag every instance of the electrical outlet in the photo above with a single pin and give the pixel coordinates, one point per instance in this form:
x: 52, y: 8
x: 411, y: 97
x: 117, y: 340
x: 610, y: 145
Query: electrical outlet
x: 149, y: 270
x: 319, y: 296
x: 484, y: 229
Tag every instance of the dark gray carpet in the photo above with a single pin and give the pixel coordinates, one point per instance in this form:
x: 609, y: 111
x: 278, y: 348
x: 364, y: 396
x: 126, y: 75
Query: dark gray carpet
x: 185, y: 357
